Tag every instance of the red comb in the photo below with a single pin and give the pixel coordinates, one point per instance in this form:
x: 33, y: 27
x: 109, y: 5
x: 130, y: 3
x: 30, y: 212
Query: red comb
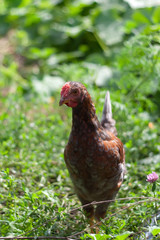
x: 65, y: 89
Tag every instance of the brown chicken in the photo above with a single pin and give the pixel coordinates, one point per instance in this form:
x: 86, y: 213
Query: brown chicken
x: 94, y: 155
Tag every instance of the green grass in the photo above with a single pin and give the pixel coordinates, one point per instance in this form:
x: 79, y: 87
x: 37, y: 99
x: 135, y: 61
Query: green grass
x: 36, y: 191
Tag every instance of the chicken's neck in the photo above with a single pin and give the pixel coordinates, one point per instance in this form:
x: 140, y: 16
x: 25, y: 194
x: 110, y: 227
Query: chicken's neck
x: 84, y: 116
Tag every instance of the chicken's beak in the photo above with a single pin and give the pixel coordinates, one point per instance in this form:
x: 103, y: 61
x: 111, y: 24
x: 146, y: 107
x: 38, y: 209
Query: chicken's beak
x: 63, y: 101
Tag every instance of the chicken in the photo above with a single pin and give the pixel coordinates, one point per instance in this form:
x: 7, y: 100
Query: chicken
x: 94, y: 156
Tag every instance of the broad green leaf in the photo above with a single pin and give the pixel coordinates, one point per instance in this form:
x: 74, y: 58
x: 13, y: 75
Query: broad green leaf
x: 98, y: 236
x: 140, y: 17
x: 142, y: 3
x: 37, y: 53
x: 156, y: 15
x: 48, y: 85
x: 24, y: 3
x: 104, y: 74
x: 123, y: 236
x: 12, y: 4
x: 109, y: 29
x: 154, y: 230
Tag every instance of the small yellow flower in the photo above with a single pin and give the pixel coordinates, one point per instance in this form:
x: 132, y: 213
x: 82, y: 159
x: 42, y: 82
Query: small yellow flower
x: 150, y: 125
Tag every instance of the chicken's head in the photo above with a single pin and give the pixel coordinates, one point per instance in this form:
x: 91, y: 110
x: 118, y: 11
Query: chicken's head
x: 72, y: 94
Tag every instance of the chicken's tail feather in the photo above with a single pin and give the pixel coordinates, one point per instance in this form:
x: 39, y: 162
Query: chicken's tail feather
x: 107, y: 121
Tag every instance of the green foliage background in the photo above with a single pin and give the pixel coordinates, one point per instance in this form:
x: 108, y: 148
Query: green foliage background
x: 104, y: 44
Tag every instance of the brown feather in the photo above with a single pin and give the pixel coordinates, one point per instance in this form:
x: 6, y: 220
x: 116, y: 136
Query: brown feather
x: 94, y: 156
